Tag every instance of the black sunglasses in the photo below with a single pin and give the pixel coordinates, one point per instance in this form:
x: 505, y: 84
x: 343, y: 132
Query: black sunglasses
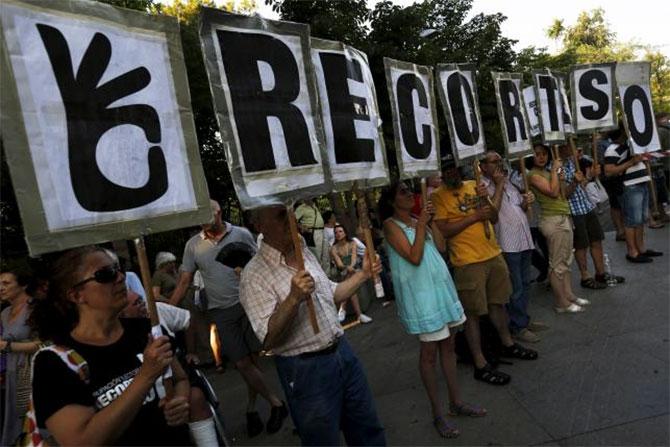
x: 105, y: 275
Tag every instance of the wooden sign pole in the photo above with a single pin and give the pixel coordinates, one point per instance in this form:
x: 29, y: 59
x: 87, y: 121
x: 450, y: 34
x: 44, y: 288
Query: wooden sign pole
x: 594, y: 148
x: 654, y: 196
x: 297, y: 247
x: 522, y: 167
x: 478, y: 179
x: 364, y: 222
x: 554, y: 152
x: 573, y: 149
x: 424, y: 192
x: 145, y: 272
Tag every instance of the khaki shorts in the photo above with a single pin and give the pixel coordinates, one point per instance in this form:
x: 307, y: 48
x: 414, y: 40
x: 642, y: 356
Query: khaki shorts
x: 482, y: 284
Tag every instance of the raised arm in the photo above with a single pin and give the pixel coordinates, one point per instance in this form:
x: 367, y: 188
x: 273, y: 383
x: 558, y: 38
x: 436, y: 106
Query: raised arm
x: 302, y: 286
x: 551, y: 188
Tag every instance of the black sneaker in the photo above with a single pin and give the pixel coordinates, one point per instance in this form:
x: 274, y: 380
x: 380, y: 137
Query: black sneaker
x: 639, y: 259
x: 277, y: 416
x: 254, y: 424
x: 652, y: 253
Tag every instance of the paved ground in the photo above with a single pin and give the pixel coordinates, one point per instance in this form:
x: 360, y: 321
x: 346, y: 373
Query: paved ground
x: 602, y: 377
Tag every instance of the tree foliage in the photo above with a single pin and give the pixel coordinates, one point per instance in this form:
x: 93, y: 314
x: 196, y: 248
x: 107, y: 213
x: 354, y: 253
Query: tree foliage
x: 591, y: 40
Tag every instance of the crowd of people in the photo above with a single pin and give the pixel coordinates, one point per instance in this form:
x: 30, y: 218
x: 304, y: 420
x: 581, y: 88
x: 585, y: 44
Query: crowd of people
x: 455, y: 261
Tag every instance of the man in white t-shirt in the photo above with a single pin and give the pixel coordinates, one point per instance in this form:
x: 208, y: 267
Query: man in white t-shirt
x: 621, y: 161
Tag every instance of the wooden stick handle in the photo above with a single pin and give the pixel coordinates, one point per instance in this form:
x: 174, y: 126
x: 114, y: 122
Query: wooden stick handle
x: 297, y: 248
x: 594, y: 148
x: 478, y: 179
x: 424, y: 192
x: 145, y: 272
x: 370, y: 251
x: 561, y: 184
x: 573, y: 149
x: 529, y: 210
x: 654, y: 196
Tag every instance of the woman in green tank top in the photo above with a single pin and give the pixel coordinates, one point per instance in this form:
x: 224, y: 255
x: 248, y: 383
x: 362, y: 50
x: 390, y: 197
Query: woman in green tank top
x: 556, y: 225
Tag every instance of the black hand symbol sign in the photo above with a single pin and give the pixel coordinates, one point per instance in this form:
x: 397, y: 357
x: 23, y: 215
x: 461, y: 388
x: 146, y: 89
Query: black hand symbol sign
x: 89, y: 117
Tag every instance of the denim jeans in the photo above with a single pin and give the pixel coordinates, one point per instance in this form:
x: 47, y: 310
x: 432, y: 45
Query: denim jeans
x: 329, y: 393
x: 635, y: 205
x: 519, y: 271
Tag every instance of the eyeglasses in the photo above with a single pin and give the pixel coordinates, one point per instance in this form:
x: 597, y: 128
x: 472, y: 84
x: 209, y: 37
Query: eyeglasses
x: 404, y: 190
x: 105, y: 275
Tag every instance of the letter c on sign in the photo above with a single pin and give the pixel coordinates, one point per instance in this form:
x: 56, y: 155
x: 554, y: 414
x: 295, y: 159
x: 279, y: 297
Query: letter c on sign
x: 406, y: 84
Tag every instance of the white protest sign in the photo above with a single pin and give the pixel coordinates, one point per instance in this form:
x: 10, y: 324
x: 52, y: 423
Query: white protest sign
x: 410, y: 90
x: 592, y: 92
x: 531, y: 110
x: 458, y: 91
x: 352, y: 125
x: 513, y: 114
x: 548, y: 99
x: 102, y: 144
x: 262, y: 80
x: 632, y: 79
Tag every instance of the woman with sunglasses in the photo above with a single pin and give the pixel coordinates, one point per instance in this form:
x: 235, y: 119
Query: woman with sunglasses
x: 117, y: 399
x: 427, y: 301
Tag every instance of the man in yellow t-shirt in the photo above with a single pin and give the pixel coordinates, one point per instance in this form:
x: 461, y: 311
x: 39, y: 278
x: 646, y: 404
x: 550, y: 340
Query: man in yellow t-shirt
x: 463, y: 214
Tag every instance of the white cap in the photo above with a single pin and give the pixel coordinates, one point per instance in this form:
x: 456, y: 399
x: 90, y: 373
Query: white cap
x: 164, y: 257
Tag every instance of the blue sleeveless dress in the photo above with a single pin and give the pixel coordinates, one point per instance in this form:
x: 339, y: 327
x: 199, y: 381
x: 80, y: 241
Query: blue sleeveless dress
x: 426, y: 297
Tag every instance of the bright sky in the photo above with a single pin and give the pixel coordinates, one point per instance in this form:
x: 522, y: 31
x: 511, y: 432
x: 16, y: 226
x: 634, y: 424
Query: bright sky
x: 644, y: 21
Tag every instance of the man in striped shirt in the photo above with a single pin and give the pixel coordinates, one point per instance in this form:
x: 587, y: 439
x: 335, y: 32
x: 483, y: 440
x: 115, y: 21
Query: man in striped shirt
x: 621, y: 161
x: 516, y: 243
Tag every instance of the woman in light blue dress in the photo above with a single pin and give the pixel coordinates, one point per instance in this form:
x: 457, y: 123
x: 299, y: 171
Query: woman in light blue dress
x: 426, y: 297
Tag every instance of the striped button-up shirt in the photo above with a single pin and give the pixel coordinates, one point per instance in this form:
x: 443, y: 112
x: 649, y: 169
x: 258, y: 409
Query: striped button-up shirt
x: 580, y: 204
x: 512, y: 229
x: 266, y: 282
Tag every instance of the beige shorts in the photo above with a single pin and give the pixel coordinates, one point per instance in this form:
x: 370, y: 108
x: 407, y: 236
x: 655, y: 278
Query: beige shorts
x: 482, y: 284
x: 558, y: 232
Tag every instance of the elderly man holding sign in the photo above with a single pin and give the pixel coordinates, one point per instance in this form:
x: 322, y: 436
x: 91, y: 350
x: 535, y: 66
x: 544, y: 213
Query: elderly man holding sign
x: 324, y: 381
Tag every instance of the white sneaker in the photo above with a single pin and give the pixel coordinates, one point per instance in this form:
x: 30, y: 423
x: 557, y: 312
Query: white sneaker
x: 364, y: 319
x: 571, y: 309
x: 581, y: 301
x: 341, y: 315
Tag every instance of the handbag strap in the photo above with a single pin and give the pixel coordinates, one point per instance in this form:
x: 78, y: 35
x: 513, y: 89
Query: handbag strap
x: 32, y: 436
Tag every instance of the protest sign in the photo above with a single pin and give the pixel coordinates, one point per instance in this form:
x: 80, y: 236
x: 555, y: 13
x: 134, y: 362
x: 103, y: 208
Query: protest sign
x: 632, y: 80
x: 565, y: 104
x: 352, y: 125
x: 410, y: 89
x: 548, y: 102
x: 513, y: 114
x: 458, y: 91
x: 531, y: 110
x: 592, y: 93
x: 262, y: 81
x: 97, y: 124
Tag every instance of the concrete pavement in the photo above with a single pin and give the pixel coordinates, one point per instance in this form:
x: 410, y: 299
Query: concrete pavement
x: 602, y: 377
